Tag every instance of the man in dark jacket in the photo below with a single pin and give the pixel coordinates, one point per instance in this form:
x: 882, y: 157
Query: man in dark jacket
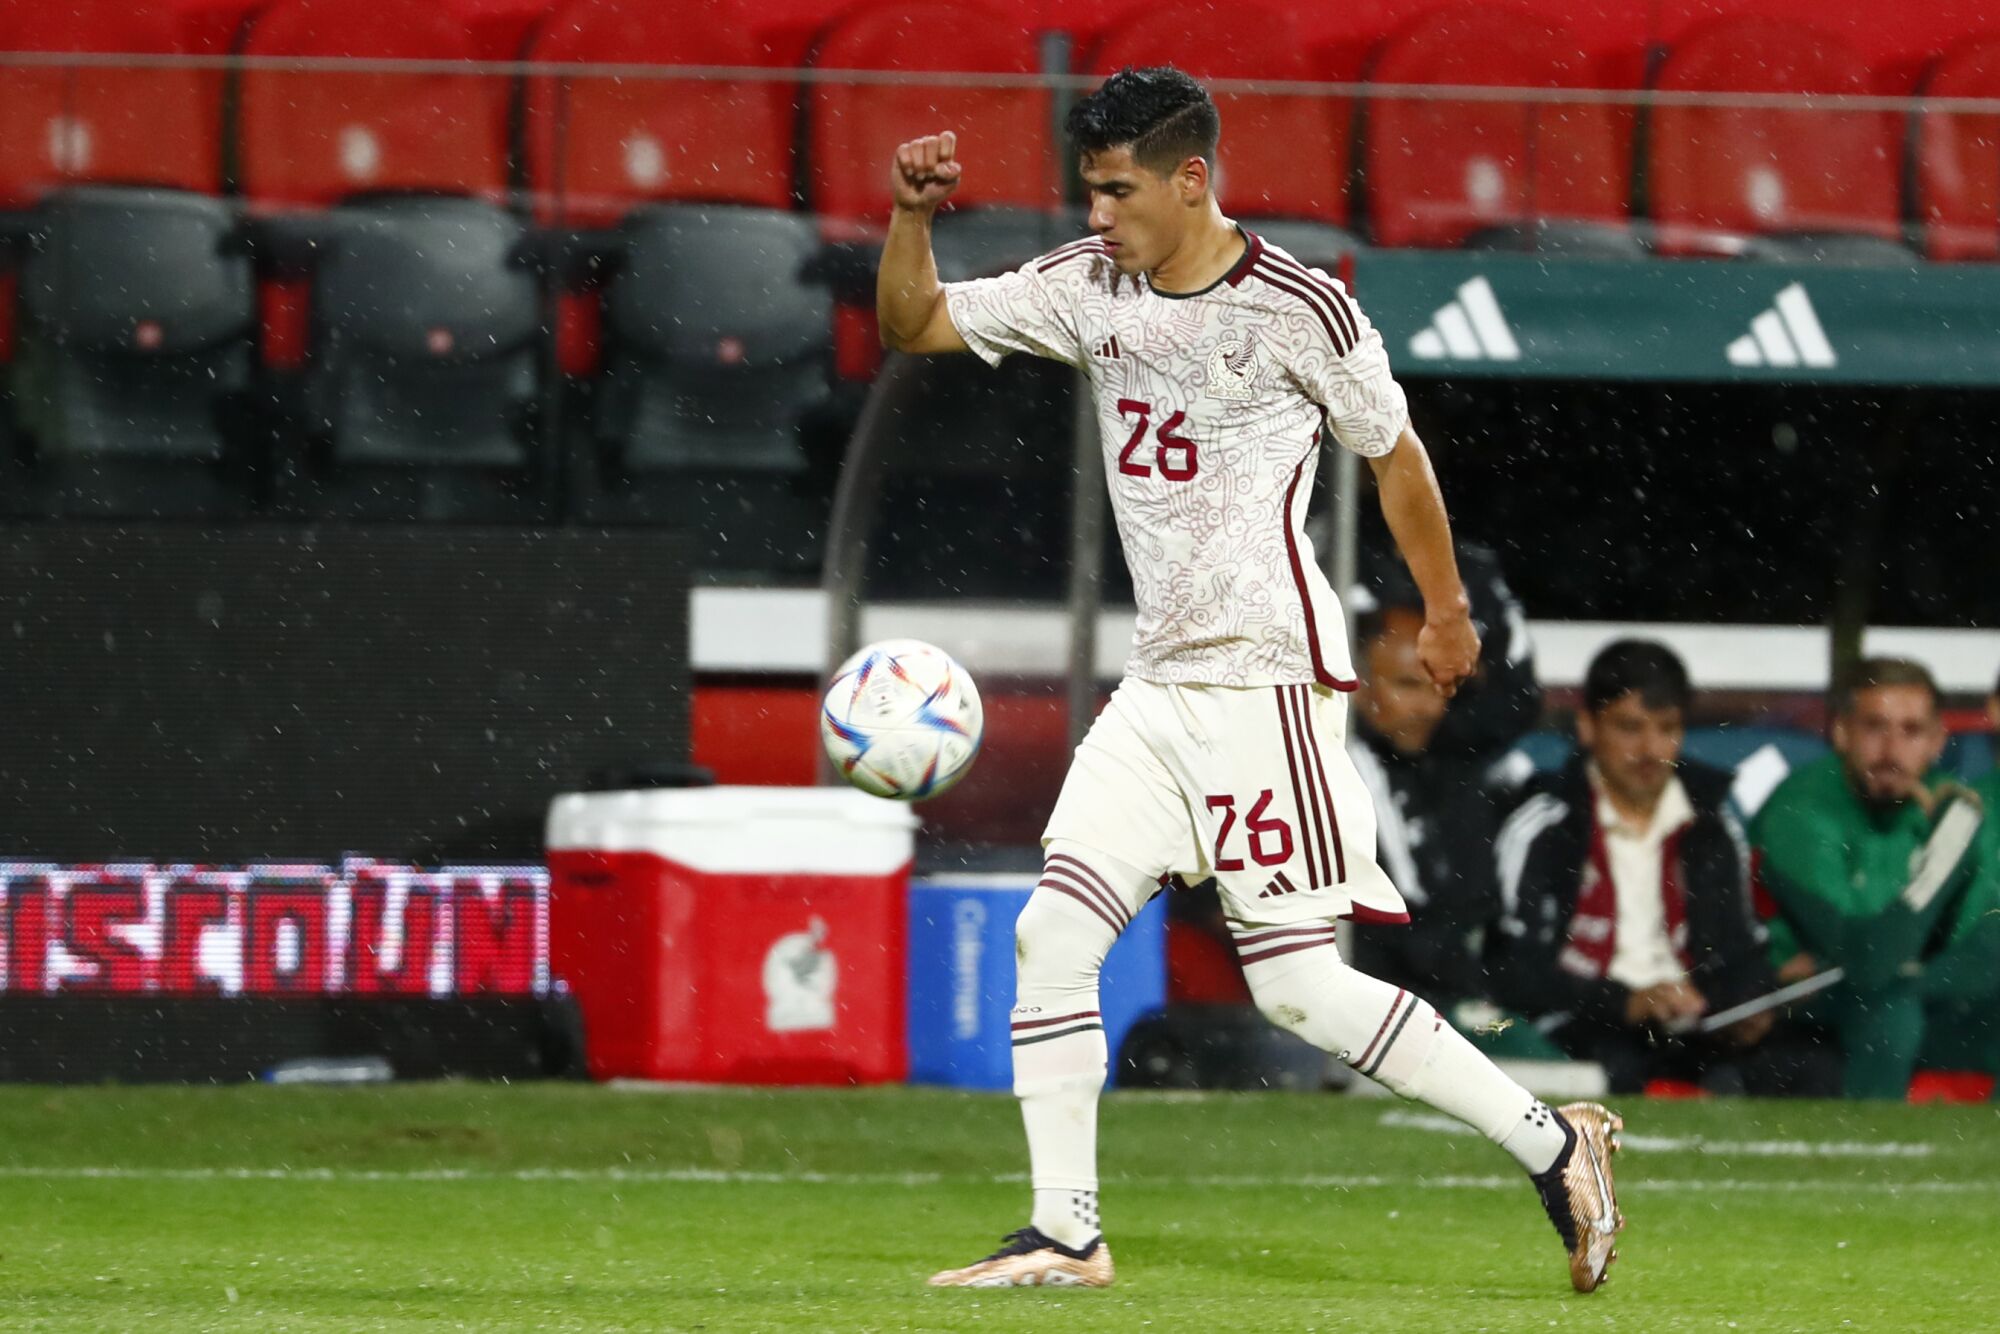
x: 1435, y: 820
x: 1626, y: 912
x: 1503, y: 700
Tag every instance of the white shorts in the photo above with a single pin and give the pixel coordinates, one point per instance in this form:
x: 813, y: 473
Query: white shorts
x: 1252, y: 785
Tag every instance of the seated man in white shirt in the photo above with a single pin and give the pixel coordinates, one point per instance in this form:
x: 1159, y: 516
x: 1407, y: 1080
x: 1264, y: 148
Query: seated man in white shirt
x: 1625, y: 900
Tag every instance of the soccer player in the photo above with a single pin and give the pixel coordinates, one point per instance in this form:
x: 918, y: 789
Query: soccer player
x: 1213, y: 359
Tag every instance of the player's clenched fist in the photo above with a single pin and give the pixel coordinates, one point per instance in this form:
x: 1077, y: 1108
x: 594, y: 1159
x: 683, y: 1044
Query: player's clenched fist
x: 926, y: 171
x: 1448, y: 647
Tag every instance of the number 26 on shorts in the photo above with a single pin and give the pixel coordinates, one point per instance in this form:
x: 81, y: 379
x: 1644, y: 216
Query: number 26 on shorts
x: 1173, y: 455
x: 1274, y: 852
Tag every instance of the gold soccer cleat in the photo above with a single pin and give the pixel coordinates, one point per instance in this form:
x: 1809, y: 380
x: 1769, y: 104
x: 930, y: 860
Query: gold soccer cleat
x: 1030, y: 1259
x: 1578, y: 1193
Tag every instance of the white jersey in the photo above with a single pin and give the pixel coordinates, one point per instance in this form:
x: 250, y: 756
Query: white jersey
x: 1209, y: 404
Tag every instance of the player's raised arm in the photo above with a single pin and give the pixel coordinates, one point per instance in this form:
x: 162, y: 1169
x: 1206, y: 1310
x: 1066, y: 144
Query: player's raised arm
x: 1448, y: 645
x: 909, y: 300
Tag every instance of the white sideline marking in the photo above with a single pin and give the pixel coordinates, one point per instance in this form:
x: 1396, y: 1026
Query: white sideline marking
x: 717, y: 1176
x: 1736, y: 1148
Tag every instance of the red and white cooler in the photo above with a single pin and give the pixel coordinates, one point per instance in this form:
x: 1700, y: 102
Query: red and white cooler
x: 734, y: 934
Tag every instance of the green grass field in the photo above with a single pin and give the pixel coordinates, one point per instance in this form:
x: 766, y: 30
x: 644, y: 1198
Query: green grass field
x: 574, y: 1207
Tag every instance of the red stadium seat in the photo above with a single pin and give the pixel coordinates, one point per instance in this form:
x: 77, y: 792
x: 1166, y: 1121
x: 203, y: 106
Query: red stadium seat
x: 1958, y: 158
x: 853, y: 129
x: 1439, y: 171
x: 597, y: 146
x: 1282, y: 156
x: 319, y: 136
x: 1897, y: 47
x: 500, y: 28
x: 158, y: 127
x: 1723, y: 171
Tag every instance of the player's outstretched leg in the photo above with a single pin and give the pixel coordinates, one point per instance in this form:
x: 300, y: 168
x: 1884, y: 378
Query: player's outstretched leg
x: 1396, y: 1038
x: 1084, y: 900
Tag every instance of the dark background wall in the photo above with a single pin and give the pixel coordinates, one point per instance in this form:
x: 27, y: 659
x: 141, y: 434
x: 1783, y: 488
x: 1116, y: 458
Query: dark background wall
x: 259, y: 692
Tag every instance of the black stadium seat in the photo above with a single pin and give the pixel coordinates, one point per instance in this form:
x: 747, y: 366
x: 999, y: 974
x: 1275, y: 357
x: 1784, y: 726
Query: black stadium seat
x: 717, y: 346
x: 427, y: 317
x: 135, y: 325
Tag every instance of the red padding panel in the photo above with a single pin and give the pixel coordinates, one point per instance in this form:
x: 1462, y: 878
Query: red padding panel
x: 284, y: 310
x: 579, y: 334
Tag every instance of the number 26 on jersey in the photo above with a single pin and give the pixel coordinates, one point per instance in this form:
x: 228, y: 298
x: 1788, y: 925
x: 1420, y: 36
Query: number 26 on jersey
x: 1171, y: 455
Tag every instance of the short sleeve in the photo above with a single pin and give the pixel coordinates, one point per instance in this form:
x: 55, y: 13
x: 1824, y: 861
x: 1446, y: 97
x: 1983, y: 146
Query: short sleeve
x: 1022, y: 311
x: 1344, y: 368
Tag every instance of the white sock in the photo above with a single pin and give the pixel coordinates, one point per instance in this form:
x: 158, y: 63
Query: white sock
x: 1537, y: 1139
x: 1067, y: 1216
x: 1060, y: 1056
x: 1398, y: 1039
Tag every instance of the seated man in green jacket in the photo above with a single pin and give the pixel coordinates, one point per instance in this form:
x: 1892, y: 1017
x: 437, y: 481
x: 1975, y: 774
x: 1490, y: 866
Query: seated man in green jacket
x: 1890, y: 872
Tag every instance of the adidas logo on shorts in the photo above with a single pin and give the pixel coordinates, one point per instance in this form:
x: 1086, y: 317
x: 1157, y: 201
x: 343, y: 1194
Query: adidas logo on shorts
x: 1280, y: 885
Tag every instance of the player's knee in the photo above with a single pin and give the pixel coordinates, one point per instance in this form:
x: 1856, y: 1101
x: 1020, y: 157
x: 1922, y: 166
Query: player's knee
x: 1287, y: 1013
x: 1056, y: 947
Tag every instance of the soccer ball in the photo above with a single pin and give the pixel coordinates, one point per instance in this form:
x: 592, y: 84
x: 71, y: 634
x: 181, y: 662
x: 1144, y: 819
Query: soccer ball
x: 902, y: 720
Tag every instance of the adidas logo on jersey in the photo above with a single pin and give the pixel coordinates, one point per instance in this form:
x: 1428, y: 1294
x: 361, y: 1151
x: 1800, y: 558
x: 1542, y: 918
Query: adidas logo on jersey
x: 1787, y: 334
x: 1109, y: 349
x: 1468, y: 329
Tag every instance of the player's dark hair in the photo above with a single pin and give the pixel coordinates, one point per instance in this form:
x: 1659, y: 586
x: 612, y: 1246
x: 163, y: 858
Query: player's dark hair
x: 1870, y: 673
x: 1626, y: 666
x: 1162, y: 115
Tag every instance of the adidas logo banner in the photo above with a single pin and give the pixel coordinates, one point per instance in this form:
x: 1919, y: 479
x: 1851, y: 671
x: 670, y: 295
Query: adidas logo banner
x: 1475, y: 315
x: 1787, y: 334
x: 1468, y: 329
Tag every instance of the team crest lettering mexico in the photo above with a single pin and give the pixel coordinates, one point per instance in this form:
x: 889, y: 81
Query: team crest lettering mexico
x: 1232, y: 369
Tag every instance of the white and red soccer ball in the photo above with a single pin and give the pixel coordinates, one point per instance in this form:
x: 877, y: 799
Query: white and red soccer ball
x: 901, y: 719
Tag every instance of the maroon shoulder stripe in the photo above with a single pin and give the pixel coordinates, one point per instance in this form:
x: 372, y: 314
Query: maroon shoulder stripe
x: 1336, y: 327
x: 1340, y: 304
x: 1376, y: 1041
x: 1111, y: 895
x: 1078, y: 243
x: 1285, y: 284
x: 1315, y: 878
x: 1320, y: 673
x: 1078, y: 895
x: 1021, y: 1024
x: 1318, y: 761
x: 1246, y: 958
x: 1340, y: 327
x: 1078, y: 250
